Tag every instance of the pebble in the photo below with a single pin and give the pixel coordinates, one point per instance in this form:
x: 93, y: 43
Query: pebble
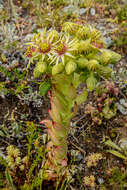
x: 82, y: 11
x: 70, y: 9
x: 92, y: 11
x: 123, y: 102
x: 2, y: 155
x: 123, y: 143
x: 121, y: 109
x: 108, y: 42
x: 122, y: 63
x: 28, y: 37
x: 104, y: 33
x: 100, y: 180
x: 1, y: 6
x: 79, y: 157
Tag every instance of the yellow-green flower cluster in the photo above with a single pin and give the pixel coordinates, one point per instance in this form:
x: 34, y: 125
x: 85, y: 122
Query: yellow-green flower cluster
x: 93, y: 159
x: 77, y: 47
x: 89, y: 181
x: 13, y: 158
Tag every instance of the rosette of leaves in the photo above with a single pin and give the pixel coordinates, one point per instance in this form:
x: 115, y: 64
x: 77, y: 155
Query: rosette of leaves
x: 65, y: 60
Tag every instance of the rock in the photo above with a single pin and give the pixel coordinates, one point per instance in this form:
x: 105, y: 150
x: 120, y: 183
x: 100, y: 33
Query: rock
x: 104, y: 33
x: 71, y: 9
x: 122, y: 63
x: 82, y: 11
x: 123, y: 143
x: 1, y: 6
x: 108, y: 42
x: 121, y: 109
x: 100, y: 180
x: 28, y: 37
x: 92, y: 11
x: 124, y: 1
x: 123, y: 102
x: 79, y: 157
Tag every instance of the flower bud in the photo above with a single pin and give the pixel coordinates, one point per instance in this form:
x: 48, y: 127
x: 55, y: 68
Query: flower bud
x: 9, y: 159
x: 18, y: 160
x: 105, y: 57
x: 25, y: 160
x: 82, y: 63
x: 10, y: 150
x: 21, y: 167
x: 70, y: 67
x: 16, y: 152
x: 115, y: 57
x: 83, y: 32
x: 93, y: 65
x: 41, y: 67
x: 57, y: 68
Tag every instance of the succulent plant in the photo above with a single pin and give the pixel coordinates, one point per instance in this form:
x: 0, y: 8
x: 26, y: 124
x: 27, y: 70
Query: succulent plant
x: 64, y: 57
x: 13, y: 158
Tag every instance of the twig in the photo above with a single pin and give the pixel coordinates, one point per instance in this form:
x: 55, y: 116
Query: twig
x: 79, y: 148
x: 79, y: 119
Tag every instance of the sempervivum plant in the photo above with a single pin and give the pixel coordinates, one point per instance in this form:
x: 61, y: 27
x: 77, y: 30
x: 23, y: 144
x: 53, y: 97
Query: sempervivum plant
x: 65, y: 60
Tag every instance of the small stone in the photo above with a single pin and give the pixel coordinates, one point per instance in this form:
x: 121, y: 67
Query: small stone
x: 100, y: 180
x: 82, y: 11
x: 104, y: 33
x: 121, y: 109
x: 1, y: 6
x: 122, y: 63
x: 123, y: 143
x: 70, y: 9
x: 92, y: 11
x: 108, y: 42
x: 79, y: 157
x: 28, y: 37
x: 122, y: 101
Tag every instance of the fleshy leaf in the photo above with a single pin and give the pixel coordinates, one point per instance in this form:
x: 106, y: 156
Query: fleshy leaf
x: 112, y: 144
x: 91, y: 82
x: 44, y: 88
x: 9, y: 178
x: 116, y: 153
x: 82, y: 97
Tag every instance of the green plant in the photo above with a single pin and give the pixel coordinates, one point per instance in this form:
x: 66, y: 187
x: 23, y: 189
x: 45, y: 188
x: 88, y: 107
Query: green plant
x: 25, y: 172
x: 93, y: 159
x: 122, y: 13
x: 120, y: 36
x: 118, y: 179
x: 89, y: 181
x: 65, y: 60
x: 15, y: 83
x: 105, y: 105
x: 119, y: 152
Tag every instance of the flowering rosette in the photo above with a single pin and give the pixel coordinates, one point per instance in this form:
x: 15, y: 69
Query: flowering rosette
x: 64, y: 48
x: 42, y: 45
x: 67, y: 59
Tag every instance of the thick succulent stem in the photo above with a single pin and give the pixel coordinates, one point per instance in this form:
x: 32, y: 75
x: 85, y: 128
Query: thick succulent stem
x: 71, y: 57
x: 60, y: 113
